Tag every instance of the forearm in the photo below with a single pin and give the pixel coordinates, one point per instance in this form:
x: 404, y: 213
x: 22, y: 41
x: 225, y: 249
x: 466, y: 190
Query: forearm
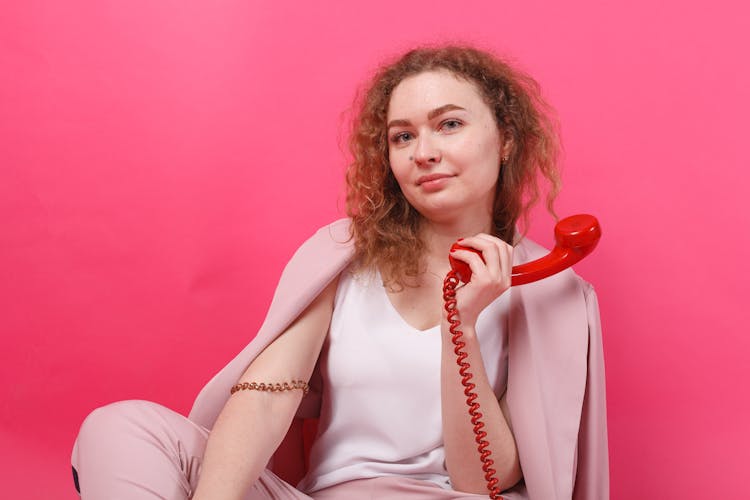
x: 247, y: 432
x: 462, y: 458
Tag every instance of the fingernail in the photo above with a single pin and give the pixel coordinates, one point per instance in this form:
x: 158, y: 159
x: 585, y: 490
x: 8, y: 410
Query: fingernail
x: 460, y: 239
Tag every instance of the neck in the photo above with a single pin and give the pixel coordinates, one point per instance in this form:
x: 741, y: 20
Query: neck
x: 439, y: 236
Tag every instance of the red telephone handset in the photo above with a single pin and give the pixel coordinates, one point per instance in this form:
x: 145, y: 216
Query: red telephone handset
x: 575, y: 238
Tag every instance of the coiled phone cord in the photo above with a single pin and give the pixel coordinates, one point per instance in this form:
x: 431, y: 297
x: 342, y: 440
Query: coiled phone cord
x: 449, y: 297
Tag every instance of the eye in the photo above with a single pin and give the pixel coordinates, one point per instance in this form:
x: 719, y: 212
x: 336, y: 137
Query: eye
x: 450, y: 124
x: 401, y: 137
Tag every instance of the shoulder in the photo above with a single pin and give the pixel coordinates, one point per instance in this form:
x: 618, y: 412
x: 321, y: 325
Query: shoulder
x: 322, y: 256
x: 331, y: 240
x: 527, y: 250
x: 333, y: 236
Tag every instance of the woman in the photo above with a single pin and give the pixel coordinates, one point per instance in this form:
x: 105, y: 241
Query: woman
x: 449, y: 144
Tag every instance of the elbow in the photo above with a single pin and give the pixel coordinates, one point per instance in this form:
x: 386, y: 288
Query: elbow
x: 512, y: 473
x: 512, y: 478
x: 503, y: 484
x: 507, y: 477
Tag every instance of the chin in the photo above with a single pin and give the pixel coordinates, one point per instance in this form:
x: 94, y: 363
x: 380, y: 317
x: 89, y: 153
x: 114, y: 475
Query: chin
x: 439, y: 213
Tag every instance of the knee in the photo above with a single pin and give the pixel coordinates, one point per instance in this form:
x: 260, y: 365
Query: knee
x: 111, y: 427
x: 101, y: 430
x: 133, y: 437
x: 111, y: 420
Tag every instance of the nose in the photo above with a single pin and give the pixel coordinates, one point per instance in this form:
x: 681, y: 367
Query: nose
x: 426, y: 152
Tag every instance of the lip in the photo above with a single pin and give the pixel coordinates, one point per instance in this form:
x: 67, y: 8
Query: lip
x: 431, y: 177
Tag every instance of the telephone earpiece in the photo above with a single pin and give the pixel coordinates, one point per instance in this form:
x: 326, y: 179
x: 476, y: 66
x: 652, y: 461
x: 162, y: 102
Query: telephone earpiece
x: 575, y: 238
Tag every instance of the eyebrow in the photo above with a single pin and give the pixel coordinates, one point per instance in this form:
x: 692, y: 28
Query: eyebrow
x: 432, y: 114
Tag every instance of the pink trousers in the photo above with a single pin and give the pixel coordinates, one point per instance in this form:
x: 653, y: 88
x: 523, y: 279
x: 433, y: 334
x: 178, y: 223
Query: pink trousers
x: 141, y: 450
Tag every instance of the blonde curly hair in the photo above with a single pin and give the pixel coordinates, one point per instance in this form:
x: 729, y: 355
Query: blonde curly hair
x: 385, y: 227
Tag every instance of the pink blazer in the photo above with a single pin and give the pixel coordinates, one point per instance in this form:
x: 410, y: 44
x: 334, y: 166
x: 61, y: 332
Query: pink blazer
x: 556, y: 392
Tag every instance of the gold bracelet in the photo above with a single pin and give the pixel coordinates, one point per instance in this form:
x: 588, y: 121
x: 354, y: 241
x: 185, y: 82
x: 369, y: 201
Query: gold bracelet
x: 276, y: 387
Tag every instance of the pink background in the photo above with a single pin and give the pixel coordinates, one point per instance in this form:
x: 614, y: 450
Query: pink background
x: 159, y: 162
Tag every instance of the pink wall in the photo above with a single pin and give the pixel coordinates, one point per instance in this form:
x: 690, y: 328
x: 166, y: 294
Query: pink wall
x: 152, y: 152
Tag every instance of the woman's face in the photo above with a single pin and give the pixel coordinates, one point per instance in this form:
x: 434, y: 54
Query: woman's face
x: 444, y: 146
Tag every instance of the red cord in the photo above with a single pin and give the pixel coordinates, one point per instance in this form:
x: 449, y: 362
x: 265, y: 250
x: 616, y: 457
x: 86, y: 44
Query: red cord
x: 449, y: 296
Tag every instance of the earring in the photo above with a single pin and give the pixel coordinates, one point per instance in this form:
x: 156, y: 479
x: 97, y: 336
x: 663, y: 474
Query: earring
x: 503, y: 161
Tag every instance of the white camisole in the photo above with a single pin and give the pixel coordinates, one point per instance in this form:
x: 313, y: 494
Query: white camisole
x: 380, y: 413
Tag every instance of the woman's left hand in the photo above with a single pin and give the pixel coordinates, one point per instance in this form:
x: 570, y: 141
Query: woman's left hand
x: 489, y: 279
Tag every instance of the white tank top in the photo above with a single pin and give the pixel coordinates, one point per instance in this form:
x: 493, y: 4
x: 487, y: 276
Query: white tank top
x: 380, y: 413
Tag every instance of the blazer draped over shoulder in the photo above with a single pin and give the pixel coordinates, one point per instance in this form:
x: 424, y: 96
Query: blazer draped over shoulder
x: 556, y: 390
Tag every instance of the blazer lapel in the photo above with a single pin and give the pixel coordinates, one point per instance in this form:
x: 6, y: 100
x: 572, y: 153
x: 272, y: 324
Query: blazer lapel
x: 547, y: 368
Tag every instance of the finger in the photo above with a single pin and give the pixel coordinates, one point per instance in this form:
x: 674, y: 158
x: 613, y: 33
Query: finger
x: 500, y: 244
x: 505, y: 252
x: 490, y: 247
x: 473, y: 260
x: 506, y: 262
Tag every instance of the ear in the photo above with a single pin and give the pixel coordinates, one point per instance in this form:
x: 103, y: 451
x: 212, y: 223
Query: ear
x: 506, y: 143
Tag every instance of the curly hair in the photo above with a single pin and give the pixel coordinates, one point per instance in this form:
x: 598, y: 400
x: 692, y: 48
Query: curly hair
x: 385, y: 227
